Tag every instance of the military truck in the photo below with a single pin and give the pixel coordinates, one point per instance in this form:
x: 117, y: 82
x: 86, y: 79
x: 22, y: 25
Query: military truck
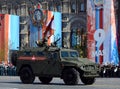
x: 48, y: 62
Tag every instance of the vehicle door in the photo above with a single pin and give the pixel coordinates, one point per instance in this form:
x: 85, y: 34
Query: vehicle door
x: 54, y: 64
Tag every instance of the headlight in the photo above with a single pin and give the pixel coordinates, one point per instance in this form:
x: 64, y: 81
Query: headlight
x: 97, y: 66
x: 82, y: 67
x: 88, y: 67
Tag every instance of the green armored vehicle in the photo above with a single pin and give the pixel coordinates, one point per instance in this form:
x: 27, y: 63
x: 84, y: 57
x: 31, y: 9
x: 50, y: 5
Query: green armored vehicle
x: 48, y: 62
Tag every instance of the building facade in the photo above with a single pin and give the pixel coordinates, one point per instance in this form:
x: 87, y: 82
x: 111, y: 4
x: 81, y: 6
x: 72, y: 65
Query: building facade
x: 73, y: 19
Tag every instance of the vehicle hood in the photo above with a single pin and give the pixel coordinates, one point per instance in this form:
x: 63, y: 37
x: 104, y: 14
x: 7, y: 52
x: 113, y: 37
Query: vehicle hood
x: 78, y: 61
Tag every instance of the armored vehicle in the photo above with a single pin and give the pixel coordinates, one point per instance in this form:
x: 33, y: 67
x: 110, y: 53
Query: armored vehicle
x: 48, y: 62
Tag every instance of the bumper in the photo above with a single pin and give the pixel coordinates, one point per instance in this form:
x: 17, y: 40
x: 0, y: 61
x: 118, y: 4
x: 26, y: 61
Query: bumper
x: 91, y: 74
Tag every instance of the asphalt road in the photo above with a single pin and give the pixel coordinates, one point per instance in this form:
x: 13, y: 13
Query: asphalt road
x: 7, y: 82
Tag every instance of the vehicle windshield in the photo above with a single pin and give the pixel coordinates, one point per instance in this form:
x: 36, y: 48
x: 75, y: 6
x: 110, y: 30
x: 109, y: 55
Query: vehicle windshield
x: 73, y: 54
x: 69, y: 54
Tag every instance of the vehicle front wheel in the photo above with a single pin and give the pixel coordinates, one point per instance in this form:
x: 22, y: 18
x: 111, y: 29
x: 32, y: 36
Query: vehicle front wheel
x: 26, y: 75
x: 70, y: 76
x: 45, y: 80
x: 88, y: 80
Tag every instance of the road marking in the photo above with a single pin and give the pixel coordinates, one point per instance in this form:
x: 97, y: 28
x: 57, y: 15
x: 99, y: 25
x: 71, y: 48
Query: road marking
x: 112, y: 86
x: 7, y: 88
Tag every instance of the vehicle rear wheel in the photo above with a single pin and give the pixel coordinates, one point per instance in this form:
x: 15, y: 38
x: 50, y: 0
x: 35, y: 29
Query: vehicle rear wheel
x: 70, y: 76
x: 26, y: 75
x: 45, y: 80
x: 87, y: 80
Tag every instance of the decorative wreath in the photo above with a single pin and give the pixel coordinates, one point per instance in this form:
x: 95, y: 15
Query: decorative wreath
x: 36, y: 16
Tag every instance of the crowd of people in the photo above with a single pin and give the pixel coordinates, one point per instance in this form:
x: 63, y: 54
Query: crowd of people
x: 7, y: 70
x: 110, y: 71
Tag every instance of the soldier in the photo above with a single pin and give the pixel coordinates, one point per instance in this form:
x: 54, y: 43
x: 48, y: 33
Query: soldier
x: 42, y: 43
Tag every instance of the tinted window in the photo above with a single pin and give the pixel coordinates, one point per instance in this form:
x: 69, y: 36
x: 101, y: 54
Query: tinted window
x: 55, y: 55
x: 64, y: 54
x: 40, y: 54
x: 52, y: 55
x: 73, y: 54
x: 27, y: 53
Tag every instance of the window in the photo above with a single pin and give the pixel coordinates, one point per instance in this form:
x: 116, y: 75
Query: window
x: 23, y: 10
x: 73, y: 7
x: 27, y: 53
x: 52, y: 55
x: 58, y: 8
x: 64, y: 25
x: 69, y: 54
x: 55, y: 55
x: 9, y: 10
x: 0, y: 25
x: 64, y: 54
x: 1, y: 22
x: 4, y: 10
x: 77, y: 37
x: 65, y: 8
x: 18, y: 11
x: 40, y: 53
x: 82, y: 7
x: 44, y: 6
x: 73, y: 54
x: 51, y: 8
x: 66, y: 36
x: 74, y: 37
x: 79, y: 40
x: 0, y: 9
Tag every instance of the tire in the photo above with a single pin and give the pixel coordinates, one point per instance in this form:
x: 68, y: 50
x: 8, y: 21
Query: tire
x: 26, y: 75
x: 87, y: 80
x: 70, y: 76
x: 14, y: 58
x: 45, y: 80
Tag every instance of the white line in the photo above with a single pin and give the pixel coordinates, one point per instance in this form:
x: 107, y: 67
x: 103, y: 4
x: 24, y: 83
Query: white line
x: 7, y: 88
x: 113, y: 86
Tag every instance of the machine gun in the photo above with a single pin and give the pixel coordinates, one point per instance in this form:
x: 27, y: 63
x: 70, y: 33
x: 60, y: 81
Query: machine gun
x: 55, y: 42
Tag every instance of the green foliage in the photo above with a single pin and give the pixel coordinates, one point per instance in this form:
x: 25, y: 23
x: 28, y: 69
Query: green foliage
x: 82, y: 50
